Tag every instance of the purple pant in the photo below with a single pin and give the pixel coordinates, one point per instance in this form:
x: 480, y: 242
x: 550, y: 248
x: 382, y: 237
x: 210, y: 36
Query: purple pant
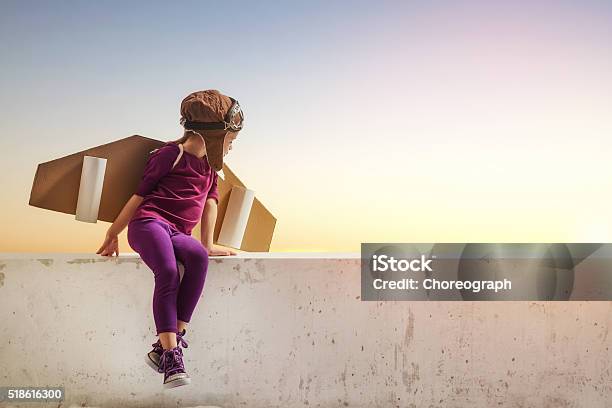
x: 161, y: 246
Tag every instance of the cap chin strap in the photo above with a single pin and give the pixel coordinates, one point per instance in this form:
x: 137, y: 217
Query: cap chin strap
x: 206, y: 145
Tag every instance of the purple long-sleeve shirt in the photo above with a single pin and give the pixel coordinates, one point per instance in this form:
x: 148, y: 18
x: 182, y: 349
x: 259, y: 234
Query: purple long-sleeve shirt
x: 176, y: 195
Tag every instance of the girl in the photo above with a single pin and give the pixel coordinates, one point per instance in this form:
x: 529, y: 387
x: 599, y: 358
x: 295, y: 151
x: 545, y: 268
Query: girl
x: 178, y: 189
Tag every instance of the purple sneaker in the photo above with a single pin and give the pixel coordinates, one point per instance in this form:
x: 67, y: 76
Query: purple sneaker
x: 152, y: 358
x: 171, y: 364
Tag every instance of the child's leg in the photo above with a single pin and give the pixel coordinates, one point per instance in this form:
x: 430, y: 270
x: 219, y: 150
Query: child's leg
x: 194, y: 257
x: 151, y: 239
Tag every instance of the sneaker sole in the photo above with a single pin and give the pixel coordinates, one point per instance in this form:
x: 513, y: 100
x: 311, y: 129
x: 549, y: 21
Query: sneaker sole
x: 178, y: 382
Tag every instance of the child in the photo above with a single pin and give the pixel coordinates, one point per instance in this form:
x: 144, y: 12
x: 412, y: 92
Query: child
x: 178, y: 189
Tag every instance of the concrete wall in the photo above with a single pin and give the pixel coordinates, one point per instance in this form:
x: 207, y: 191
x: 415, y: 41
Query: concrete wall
x: 289, y: 330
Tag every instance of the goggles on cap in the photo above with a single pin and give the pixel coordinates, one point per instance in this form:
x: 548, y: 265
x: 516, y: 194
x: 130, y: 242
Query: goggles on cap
x: 233, y: 120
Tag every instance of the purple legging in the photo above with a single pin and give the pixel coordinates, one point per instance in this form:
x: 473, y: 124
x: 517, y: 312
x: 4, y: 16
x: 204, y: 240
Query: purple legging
x: 160, y: 246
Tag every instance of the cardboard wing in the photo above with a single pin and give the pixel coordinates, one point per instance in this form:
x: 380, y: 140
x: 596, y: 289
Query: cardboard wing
x: 56, y: 187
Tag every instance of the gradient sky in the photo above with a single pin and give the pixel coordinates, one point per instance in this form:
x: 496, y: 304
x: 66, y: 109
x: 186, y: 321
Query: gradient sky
x: 443, y: 121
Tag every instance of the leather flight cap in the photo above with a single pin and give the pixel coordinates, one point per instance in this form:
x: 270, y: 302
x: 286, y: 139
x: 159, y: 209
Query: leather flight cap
x: 235, y: 112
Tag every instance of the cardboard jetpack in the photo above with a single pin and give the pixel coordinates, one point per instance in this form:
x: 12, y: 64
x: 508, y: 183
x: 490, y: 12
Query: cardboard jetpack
x: 58, y: 186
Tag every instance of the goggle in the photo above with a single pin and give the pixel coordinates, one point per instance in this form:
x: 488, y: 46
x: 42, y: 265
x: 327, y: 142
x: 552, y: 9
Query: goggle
x: 232, y: 122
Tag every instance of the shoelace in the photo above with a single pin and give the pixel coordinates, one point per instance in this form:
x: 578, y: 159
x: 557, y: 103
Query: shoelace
x: 171, y: 362
x: 179, y: 340
x: 157, y: 346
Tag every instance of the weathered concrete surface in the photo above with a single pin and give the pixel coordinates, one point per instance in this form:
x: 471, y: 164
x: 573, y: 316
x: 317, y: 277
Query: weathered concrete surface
x: 281, y: 331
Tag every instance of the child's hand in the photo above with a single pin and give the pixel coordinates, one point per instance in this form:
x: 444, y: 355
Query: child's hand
x: 110, y: 245
x: 216, y: 250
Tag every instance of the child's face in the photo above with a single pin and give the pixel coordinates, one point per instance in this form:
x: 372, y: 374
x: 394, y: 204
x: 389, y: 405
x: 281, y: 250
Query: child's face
x: 227, y: 142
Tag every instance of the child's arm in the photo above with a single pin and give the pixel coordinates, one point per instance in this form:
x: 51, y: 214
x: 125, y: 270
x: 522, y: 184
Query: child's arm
x: 125, y: 215
x: 209, y: 213
x: 111, y: 242
x: 159, y: 163
x: 207, y: 227
x: 209, y: 217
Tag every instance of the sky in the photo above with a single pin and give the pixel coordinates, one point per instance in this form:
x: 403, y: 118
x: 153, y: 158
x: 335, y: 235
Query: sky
x: 431, y: 121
